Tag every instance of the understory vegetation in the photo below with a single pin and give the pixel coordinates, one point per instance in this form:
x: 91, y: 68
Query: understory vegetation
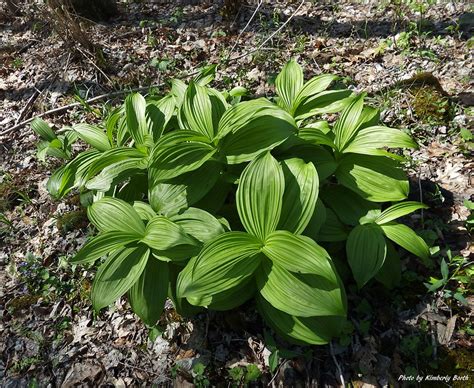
x: 239, y: 193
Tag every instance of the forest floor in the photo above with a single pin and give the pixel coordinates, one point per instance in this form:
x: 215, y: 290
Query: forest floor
x: 416, y: 68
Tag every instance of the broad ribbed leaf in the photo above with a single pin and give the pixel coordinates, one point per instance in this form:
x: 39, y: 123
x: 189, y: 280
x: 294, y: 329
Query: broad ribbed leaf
x: 158, y: 114
x: 310, y: 330
x: 288, y: 83
x: 101, y: 245
x: 162, y: 234
x: 391, y: 272
x: 252, y: 127
x: 196, y: 111
x: 347, y: 124
x: 300, y: 196
x: 199, y: 224
x: 399, y: 210
x: 366, y: 251
x: 348, y: 206
x: 233, y: 297
x: 71, y: 175
x: 316, y: 137
x: 43, y: 129
x: 368, y: 140
x: 333, y: 229
x: 177, y: 153
x: 259, y: 195
x: 303, y: 295
x: 329, y: 101
x: 147, y: 296
x: 117, y: 275
x: 223, y: 263
x: 321, y: 158
x: 116, y: 173
x: 135, y: 109
x: 311, y: 88
x: 298, y: 254
x: 171, y: 196
x: 376, y: 178
x: 407, y: 238
x: 113, y: 156
x: 317, y: 220
x: 113, y: 214
x: 92, y: 135
x: 144, y: 210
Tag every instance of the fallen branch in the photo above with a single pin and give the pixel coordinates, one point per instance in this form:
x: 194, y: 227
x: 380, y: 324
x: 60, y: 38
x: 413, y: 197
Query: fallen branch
x: 339, y: 369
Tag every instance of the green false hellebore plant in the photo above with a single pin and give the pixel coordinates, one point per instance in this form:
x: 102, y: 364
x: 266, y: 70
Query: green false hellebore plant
x: 212, y: 201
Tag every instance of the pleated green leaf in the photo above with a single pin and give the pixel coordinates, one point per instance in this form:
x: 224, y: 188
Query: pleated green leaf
x: 347, y: 124
x: 223, y: 263
x: 198, y: 223
x: 376, y: 178
x: 321, y: 158
x: 333, y: 229
x: 113, y: 214
x: 303, y: 295
x: 251, y: 127
x: 399, y: 210
x: 310, y: 330
x: 348, y: 205
x: 317, y: 220
x: 298, y: 254
x: 300, y: 196
x: 117, y: 275
x: 158, y: 114
x: 43, y: 129
x: 135, y: 109
x: 71, y: 175
x: 178, y: 153
x: 171, y: 196
x: 196, y: 111
x: 330, y: 101
x: 103, y: 244
x: 113, y: 156
x: 144, y: 210
x: 367, y: 141
x: 232, y: 297
x: 148, y: 294
x: 407, y: 238
x: 391, y: 272
x: 162, y: 234
x: 316, y: 136
x: 366, y: 251
x: 312, y: 88
x: 288, y: 83
x: 259, y: 195
x: 116, y: 173
x: 92, y: 135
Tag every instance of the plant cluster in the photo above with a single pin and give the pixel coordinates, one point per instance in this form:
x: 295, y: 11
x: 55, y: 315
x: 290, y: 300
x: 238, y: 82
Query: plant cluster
x: 213, y: 200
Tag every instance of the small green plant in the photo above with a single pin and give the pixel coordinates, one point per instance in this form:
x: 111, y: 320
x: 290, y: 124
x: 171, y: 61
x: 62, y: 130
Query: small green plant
x: 243, y: 376
x: 457, y: 269
x: 200, y: 379
x: 213, y: 201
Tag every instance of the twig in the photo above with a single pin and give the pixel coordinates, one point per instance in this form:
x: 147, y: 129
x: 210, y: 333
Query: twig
x: 272, y: 35
x: 276, y: 373
x: 93, y: 64
x: 248, y: 23
x: 339, y: 370
x: 30, y: 101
